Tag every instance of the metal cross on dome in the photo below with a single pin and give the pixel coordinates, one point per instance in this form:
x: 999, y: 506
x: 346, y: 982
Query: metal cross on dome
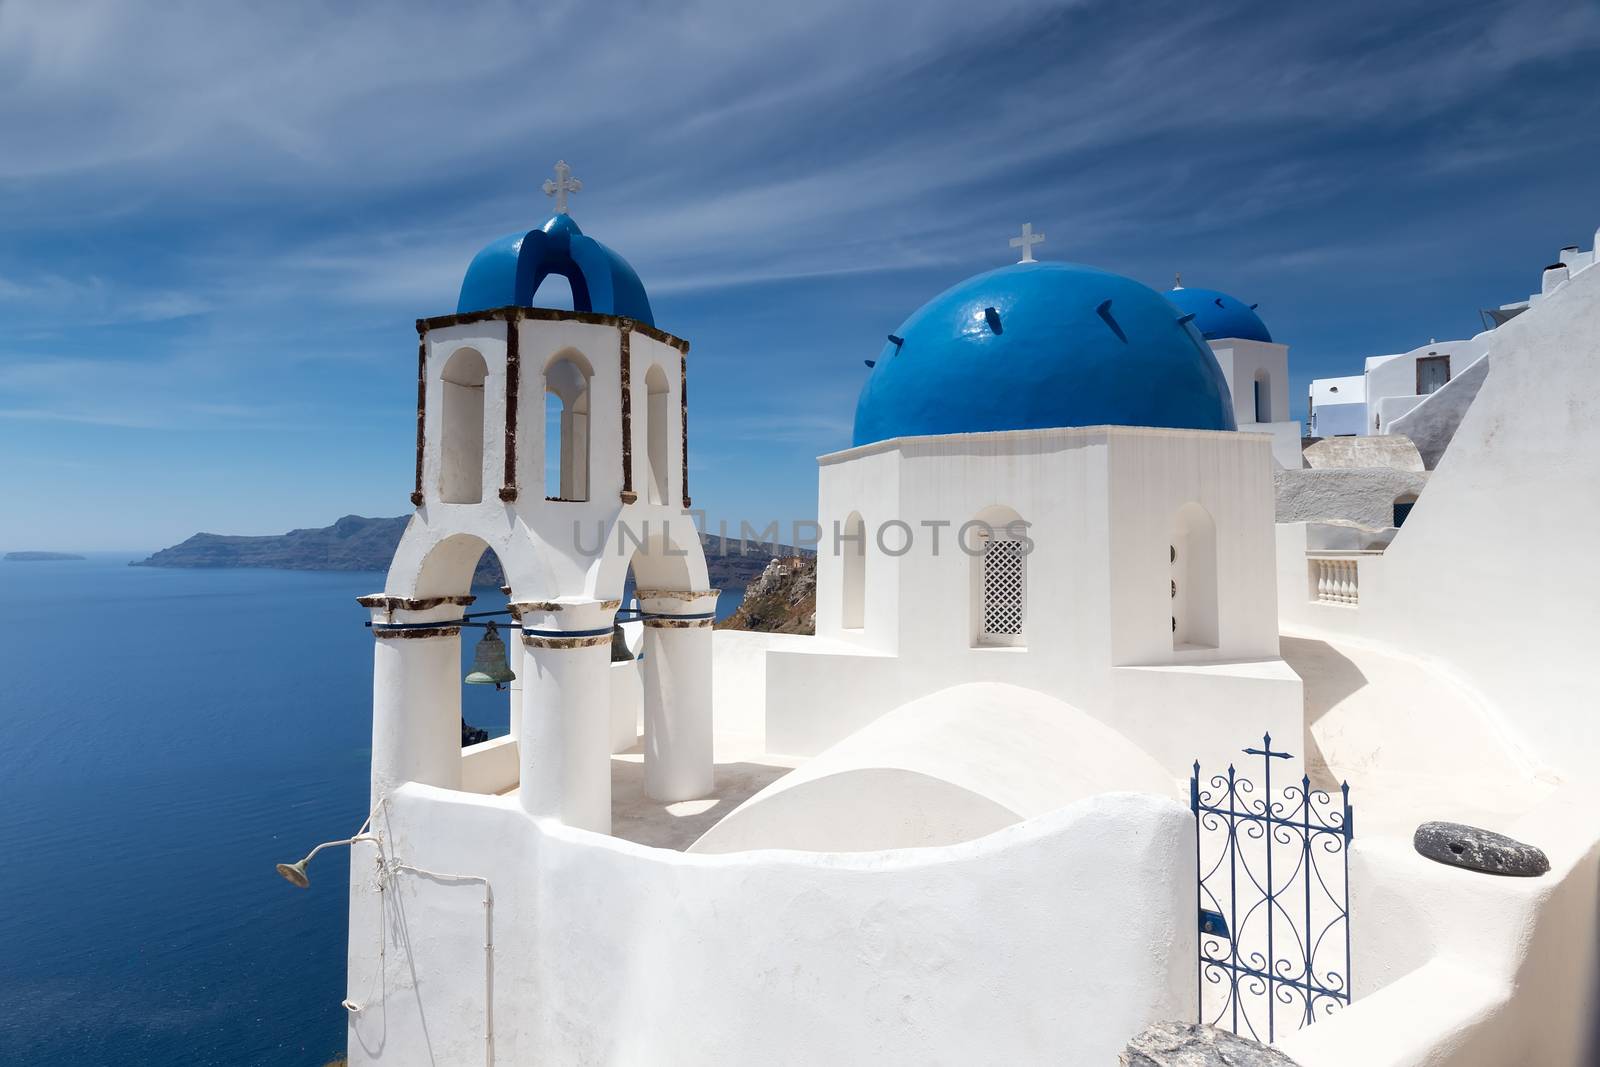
x: 561, y: 185
x: 1026, y: 242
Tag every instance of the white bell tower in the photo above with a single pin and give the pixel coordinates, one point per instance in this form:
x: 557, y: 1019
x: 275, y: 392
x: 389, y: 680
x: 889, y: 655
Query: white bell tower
x: 618, y: 501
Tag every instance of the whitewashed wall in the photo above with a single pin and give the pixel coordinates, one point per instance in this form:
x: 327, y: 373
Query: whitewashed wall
x: 1489, y: 573
x: 1101, y: 504
x: 1049, y: 942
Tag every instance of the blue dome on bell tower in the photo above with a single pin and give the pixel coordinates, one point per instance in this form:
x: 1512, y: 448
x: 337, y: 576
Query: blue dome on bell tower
x: 1037, y: 345
x: 508, y: 273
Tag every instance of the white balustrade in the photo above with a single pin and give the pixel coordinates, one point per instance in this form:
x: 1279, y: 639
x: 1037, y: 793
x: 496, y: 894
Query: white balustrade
x: 1335, y: 580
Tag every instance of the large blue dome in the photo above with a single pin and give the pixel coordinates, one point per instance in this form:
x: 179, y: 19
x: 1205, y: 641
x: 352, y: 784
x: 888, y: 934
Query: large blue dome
x: 1218, y: 315
x: 508, y: 272
x: 1038, y: 345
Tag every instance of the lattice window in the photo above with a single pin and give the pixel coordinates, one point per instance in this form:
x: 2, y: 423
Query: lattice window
x: 1004, y: 588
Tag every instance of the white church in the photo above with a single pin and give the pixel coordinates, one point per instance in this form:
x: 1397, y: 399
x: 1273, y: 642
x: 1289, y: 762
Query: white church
x: 976, y: 818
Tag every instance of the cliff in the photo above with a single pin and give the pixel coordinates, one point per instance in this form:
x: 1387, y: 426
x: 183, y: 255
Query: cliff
x: 783, y: 599
x: 355, y: 543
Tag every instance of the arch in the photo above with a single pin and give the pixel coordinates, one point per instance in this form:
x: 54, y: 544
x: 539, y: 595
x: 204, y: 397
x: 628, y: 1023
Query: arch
x: 1263, y: 396
x: 567, y: 376
x: 997, y: 543
x: 1192, y: 560
x: 1402, y: 508
x: 656, y: 389
x: 853, y: 591
x: 461, y: 427
x: 555, y: 290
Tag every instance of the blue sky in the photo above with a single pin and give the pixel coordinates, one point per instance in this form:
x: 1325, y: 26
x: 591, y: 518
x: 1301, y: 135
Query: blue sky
x: 219, y: 223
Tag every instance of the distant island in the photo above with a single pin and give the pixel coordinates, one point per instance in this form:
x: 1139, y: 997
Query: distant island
x: 39, y: 557
x: 356, y: 543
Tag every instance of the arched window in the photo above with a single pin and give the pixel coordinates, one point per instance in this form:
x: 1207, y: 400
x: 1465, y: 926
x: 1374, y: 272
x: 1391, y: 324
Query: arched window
x: 1402, y: 507
x: 566, y: 382
x: 461, y: 432
x: 1192, y: 558
x: 853, y: 595
x: 997, y: 542
x: 1263, y: 397
x: 656, y: 434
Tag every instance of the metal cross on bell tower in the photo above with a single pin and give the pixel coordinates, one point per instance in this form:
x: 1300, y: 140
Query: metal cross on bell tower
x: 562, y: 184
x: 1025, y: 242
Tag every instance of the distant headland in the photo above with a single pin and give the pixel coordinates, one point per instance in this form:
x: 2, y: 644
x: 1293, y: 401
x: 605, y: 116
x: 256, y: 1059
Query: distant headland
x: 356, y: 543
x: 39, y: 557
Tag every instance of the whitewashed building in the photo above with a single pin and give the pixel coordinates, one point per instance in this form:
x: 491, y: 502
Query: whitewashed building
x: 964, y: 822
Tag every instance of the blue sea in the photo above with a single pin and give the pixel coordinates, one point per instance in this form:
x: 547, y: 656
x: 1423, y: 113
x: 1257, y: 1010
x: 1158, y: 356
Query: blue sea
x: 166, y: 736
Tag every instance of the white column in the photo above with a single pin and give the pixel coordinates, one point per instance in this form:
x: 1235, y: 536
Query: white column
x: 416, y: 703
x: 678, y: 761
x: 565, y: 744
x: 514, y: 657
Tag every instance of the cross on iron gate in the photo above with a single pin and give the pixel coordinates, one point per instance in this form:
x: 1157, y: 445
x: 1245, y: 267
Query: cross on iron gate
x: 1269, y: 943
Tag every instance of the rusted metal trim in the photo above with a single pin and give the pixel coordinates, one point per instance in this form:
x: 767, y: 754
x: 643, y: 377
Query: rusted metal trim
x: 593, y: 318
x: 407, y: 603
x: 531, y: 641
x: 508, y: 491
x: 627, y: 415
x: 432, y: 631
x: 674, y: 594
x: 683, y: 397
x: 658, y: 623
x: 628, y: 496
x: 422, y: 410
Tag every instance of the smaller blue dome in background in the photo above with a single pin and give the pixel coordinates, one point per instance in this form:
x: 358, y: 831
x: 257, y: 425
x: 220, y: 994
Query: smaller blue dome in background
x: 1038, y: 346
x: 1218, y: 315
x: 508, y: 272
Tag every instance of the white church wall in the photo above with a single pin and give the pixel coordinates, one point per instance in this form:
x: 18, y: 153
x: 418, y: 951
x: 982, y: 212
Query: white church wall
x: 869, y: 489
x: 1100, y: 503
x: 1246, y: 362
x: 1064, y: 934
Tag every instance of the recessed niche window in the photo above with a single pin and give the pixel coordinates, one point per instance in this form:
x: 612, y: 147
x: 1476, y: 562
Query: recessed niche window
x: 461, y: 430
x: 1263, y: 397
x: 1192, y: 585
x: 853, y: 593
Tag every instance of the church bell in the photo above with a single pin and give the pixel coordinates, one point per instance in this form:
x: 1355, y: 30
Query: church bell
x: 489, y: 666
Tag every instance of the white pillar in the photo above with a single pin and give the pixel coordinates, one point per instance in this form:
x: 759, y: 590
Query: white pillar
x: 565, y: 745
x: 678, y: 762
x: 416, y: 701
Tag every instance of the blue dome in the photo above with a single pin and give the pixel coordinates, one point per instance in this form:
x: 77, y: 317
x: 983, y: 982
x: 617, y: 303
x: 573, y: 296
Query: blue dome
x: 1038, y: 345
x: 1218, y: 315
x: 508, y: 272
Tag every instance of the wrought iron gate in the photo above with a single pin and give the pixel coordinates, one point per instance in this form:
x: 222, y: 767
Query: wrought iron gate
x: 1274, y: 900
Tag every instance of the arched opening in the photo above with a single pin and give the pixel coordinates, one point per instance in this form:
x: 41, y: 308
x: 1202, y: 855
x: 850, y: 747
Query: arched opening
x: 566, y: 382
x: 656, y: 434
x: 1263, y: 396
x: 1192, y: 559
x: 1402, y: 508
x: 853, y: 593
x: 555, y: 291
x: 461, y: 429
x: 996, y: 540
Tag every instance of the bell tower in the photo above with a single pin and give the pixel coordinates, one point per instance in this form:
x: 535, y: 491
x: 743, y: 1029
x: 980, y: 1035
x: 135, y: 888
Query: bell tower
x: 613, y: 388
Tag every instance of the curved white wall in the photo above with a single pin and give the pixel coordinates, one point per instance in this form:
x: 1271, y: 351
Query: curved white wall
x: 948, y: 767
x: 1049, y: 942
